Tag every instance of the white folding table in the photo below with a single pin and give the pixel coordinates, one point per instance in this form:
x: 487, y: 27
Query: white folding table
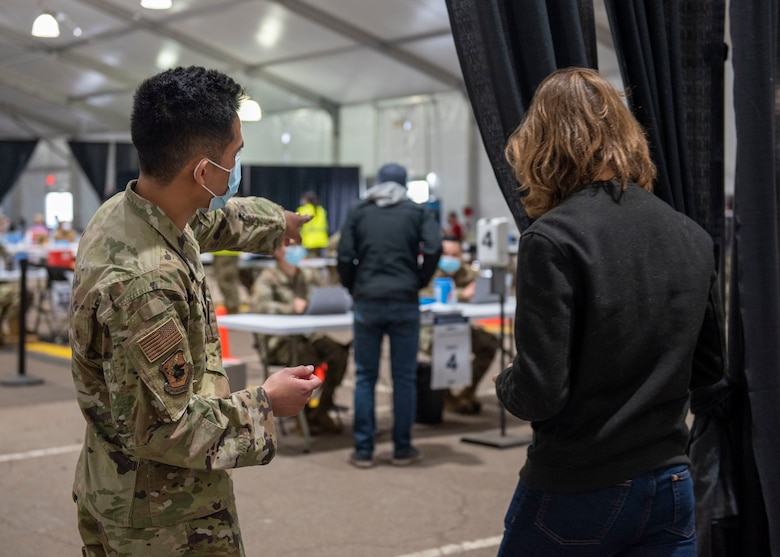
x: 287, y: 325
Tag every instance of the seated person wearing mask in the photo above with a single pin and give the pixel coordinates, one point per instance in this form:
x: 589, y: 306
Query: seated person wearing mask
x: 64, y: 232
x: 10, y: 300
x: 483, y: 344
x: 10, y: 305
x: 285, y: 289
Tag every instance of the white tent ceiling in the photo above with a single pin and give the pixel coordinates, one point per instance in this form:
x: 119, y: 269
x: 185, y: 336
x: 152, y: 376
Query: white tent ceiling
x: 287, y: 53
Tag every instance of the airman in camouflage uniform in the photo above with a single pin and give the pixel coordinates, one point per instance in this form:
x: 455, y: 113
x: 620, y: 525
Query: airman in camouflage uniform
x: 285, y: 289
x: 483, y: 344
x: 163, y: 427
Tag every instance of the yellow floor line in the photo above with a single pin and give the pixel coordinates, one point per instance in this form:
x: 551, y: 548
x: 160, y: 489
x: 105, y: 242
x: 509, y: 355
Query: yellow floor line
x: 49, y: 349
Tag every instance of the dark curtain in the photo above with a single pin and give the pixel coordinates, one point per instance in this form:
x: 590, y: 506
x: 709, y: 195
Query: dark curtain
x: 672, y: 61
x: 337, y: 187
x: 754, y: 320
x: 672, y: 58
x: 14, y: 156
x: 126, y: 166
x: 647, y: 43
x: 703, y: 58
x: 93, y: 160
x: 505, y: 50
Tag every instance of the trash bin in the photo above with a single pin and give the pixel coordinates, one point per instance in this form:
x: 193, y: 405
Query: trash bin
x: 430, y: 403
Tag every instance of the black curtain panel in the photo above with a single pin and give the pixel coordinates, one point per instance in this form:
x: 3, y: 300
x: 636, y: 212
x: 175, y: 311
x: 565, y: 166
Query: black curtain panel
x: 93, y: 160
x: 505, y: 50
x: 754, y: 319
x: 672, y: 60
x: 126, y: 165
x: 337, y: 187
x: 672, y: 56
x: 703, y: 58
x: 14, y: 156
x: 647, y: 43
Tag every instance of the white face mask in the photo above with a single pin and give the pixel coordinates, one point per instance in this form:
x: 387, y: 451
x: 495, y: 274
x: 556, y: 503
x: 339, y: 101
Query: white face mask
x: 219, y: 201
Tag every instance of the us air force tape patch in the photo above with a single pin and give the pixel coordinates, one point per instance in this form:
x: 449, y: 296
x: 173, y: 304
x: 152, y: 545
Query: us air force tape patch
x: 161, y: 340
x: 177, y: 372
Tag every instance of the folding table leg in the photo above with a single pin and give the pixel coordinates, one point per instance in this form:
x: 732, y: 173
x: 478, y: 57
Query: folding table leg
x: 304, y: 423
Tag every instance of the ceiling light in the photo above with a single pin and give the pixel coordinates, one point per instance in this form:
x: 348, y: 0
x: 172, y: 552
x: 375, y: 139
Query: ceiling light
x: 249, y: 111
x: 270, y: 32
x: 156, y: 4
x: 45, y: 26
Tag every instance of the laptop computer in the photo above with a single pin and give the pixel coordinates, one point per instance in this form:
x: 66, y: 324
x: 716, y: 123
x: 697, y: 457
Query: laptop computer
x: 482, y: 293
x: 326, y: 300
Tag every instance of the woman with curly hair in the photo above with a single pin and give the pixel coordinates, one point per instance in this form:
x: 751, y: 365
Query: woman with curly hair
x: 618, y: 318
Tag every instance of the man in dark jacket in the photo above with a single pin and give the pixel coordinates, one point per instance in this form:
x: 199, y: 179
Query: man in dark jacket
x: 378, y: 261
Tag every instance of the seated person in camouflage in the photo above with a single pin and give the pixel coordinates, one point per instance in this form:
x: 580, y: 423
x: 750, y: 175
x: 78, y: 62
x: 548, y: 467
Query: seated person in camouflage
x: 9, y: 313
x: 483, y: 344
x: 285, y: 289
x: 10, y: 305
x: 226, y: 269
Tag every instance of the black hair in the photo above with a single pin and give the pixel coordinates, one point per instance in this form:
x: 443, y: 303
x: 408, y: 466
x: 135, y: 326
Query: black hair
x: 311, y: 197
x: 180, y: 113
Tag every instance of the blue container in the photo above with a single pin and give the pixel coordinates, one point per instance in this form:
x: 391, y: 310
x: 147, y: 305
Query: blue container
x: 444, y: 290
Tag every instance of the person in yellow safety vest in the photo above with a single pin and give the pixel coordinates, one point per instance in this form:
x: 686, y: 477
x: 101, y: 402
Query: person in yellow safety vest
x: 314, y: 234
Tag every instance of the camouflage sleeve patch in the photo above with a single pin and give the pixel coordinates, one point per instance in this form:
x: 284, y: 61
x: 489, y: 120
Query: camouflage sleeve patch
x: 177, y: 372
x: 161, y: 356
x: 160, y: 340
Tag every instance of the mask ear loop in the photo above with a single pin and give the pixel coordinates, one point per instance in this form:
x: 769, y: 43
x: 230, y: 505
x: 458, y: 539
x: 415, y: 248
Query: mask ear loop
x: 195, y: 177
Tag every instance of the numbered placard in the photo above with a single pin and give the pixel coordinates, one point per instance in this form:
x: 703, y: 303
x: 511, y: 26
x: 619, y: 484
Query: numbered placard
x: 451, y: 357
x: 493, y: 242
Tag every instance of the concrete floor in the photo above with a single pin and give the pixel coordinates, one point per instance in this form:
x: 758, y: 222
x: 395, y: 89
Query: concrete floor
x: 301, y: 504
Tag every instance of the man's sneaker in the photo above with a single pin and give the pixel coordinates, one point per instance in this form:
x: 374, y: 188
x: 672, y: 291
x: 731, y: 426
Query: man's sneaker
x: 404, y: 458
x: 361, y: 460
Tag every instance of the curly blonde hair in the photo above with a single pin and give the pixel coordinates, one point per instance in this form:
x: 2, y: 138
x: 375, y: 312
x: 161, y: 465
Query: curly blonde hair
x: 577, y: 131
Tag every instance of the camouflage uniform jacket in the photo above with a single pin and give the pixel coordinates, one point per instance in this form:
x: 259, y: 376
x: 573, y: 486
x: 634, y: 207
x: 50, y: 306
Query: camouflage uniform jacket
x: 162, y: 425
x: 462, y: 277
x: 274, y: 292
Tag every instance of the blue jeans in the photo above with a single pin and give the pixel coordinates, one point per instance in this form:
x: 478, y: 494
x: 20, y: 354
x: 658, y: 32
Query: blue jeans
x: 651, y: 515
x: 401, y: 322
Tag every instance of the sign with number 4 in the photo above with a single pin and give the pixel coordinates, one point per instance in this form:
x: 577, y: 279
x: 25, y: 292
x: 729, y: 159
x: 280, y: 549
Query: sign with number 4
x: 493, y: 242
x: 451, y: 358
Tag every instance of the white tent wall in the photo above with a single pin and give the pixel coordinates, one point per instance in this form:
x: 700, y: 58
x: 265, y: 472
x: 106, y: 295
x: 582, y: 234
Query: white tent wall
x: 308, y: 134
x: 436, y: 138
x: 427, y: 134
x: 51, y: 156
x: 358, y: 138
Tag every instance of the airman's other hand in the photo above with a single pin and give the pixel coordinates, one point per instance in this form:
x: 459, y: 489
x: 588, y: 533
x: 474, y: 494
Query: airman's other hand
x: 289, y: 389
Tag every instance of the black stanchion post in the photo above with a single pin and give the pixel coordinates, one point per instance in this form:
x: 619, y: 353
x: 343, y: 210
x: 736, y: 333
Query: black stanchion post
x: 499, y: 439
x: 22, y: 379
x: 502, y: 410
